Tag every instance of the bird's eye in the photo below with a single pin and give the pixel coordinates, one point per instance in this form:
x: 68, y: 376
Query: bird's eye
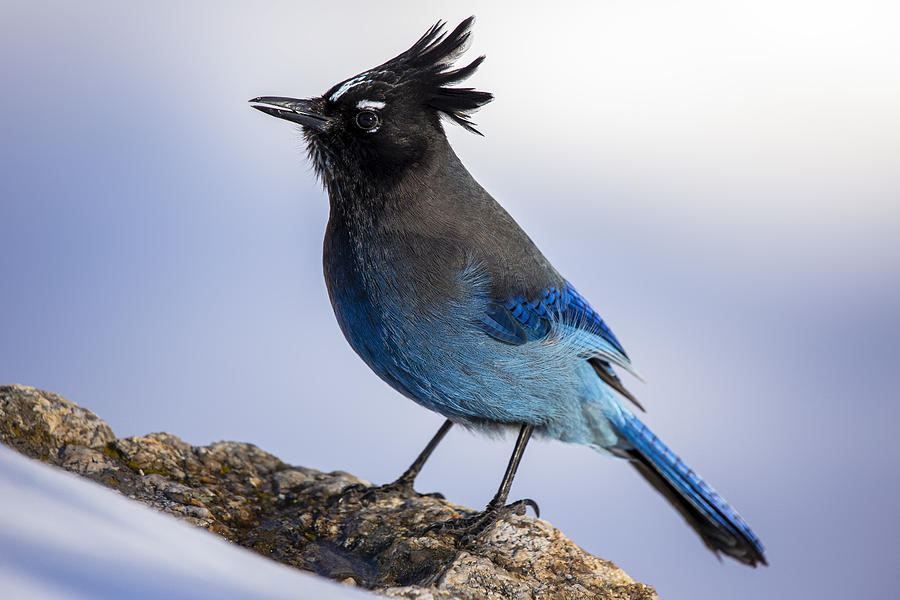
x: 367, y: 120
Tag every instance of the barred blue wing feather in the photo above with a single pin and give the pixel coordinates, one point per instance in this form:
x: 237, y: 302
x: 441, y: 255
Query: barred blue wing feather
x: 518, y: 320
x: 577, y: 308
x: 500, y: 323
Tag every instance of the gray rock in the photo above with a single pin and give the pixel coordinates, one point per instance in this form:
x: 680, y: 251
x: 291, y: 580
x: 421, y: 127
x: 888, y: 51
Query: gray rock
x: 298, y: 516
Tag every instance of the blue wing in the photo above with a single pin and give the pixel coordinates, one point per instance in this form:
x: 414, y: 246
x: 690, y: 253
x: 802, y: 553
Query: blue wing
x: 519, y: 320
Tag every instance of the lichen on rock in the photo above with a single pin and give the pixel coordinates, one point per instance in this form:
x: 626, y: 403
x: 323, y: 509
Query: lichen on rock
x: 299, y: 517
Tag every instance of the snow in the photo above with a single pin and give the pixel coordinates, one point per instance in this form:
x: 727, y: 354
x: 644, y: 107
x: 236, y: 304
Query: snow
x: 64, y: 537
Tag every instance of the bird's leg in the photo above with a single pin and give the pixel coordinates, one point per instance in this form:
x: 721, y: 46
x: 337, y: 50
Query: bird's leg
x: 403, y: 485
x: 405, y: 481
x: 470, y: 528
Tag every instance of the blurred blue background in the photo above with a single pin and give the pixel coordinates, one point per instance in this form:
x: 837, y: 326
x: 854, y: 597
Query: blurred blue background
x: 719, y: 179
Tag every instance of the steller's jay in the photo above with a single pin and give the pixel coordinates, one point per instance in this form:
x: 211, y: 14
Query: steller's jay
x: 442, y: 294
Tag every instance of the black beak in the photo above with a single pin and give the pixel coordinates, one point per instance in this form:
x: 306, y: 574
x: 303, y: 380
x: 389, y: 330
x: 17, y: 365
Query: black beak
x: 291, y: 109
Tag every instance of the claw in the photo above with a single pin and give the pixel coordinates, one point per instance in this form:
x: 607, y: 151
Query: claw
x: 366, y: 495
x: 533, y: 505
x: 354, y: 491
x: 354, y: 488
x: 469, y: 529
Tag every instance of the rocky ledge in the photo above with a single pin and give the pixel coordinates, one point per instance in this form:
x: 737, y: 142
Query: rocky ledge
x: 297, y: 515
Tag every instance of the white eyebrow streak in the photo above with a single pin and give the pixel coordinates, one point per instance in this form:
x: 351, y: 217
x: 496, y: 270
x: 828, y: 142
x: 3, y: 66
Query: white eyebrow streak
x: 372, y: 104
x: 347, y: 85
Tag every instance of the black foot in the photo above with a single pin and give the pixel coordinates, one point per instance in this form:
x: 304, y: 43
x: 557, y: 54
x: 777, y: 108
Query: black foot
x: 365, y: 494
x: 469, y: 529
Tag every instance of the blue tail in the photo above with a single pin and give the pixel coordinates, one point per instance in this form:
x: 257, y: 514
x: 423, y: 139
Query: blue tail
x: 719, y: 525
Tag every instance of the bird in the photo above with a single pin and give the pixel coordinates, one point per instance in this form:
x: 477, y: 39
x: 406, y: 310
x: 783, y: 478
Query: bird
x: 447, y: 299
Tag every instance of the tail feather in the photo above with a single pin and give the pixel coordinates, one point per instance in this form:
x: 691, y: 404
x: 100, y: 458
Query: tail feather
x: 720, y: 526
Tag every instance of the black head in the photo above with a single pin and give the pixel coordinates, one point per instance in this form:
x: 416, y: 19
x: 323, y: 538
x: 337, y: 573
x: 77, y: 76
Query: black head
x: 382, y: 121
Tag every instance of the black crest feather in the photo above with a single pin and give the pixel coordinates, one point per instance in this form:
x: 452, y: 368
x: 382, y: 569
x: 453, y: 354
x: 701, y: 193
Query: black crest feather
x: 429, y: 63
